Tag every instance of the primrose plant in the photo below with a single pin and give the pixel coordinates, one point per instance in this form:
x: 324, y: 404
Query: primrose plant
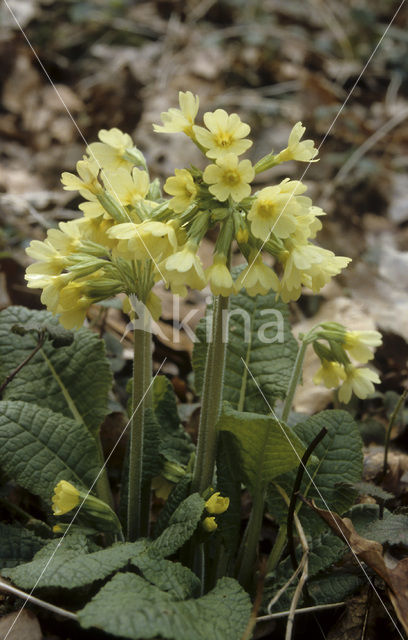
x: 57, y: 382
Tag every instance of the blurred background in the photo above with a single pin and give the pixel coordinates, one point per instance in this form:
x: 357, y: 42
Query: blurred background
x: 121, y: 63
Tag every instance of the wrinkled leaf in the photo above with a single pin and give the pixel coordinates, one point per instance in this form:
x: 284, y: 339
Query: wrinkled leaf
x: 181, y: 526
x: 17, y: 545
x: 130, y: 607
x: 70, y: 569
x: 39, y: 447
x: 168, y: 576
x: 72, y: 380
x: 175, y: 443
x: 253, y: 321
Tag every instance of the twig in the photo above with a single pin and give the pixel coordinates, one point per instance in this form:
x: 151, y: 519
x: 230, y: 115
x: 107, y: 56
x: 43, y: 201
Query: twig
x: 283, y: 614
x: 4, y: 586
x: 283, y: 589
x: 294, y: 496
x: 305, y: 571
x: 13, y: 374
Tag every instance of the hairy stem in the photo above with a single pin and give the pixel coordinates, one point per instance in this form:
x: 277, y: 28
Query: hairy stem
x: 136, y: 435
x: 294, y: 380
x: 211, y: 399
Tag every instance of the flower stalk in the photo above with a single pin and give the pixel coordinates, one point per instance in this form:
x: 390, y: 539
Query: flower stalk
x: 211, y: 398
x: 139, y: 386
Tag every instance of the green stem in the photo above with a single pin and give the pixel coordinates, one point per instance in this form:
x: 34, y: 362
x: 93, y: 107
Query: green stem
x: 294, y: 380
x: 211, y: 399
x: 148, y: 403
x: 136, y: 436
x: 277, y: 550
x: 249, y: 550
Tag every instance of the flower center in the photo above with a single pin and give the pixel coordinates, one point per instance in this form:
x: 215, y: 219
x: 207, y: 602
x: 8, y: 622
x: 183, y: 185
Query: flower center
x: 267, y: 209
x: 223, y: 139
x: 231, y: 177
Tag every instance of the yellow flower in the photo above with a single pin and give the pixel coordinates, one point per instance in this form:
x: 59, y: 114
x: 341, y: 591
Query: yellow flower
x: 359, y: 344
x: 67, y: 238
x: 49, y: 260
x: 180, y: 120
x: 129, y: 188
x: 182, y: 187
x: 86, y: 182
x: 276, y: 208
x: 110, y: 152
x: 52, y: 289
x: 308, y: 224
x: 358, y: 381
x: 229, y: 178
x: 224, y: 134
x: 217, y: 504
x: 302, y: 151
x: 184, y: 268
x: 219, y: 277
x: 73, y: 304
x: 209, y: 524
x: 308, y: 265
x: 147, y: 240
x: 65, y: 498
x: 93, y: 209
x: 330, y: 373
x: 257, y: 278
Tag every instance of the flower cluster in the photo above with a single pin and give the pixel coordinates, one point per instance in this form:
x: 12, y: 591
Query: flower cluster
x: 336, y: 355
x: 278, y: 220
x: 130, y: 237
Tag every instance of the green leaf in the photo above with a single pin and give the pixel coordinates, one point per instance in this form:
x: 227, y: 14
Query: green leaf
x: 168, y: 576
x: 38, y: 448
x: 130, y: 607
x: 335, y: 586
x: 17, y: 545
x: 175, y: 443
x: 340, y: 457
x: 266, y: 448
x: 72, y: 380
x: 71, y: 569
x: 181, y: 527
x: 270, y: 363
x: 77, y: 542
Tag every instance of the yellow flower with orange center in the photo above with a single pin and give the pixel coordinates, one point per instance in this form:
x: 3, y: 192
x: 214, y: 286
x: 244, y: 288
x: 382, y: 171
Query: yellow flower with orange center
x: 224, y: 134
x: 229, y: 178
